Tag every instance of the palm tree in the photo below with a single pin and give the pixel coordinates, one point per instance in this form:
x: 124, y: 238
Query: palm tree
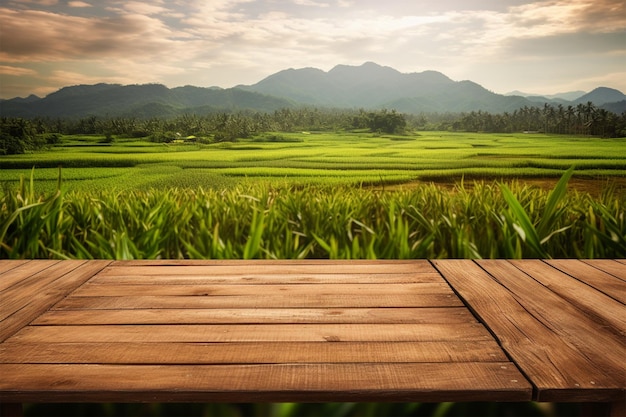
x: 569, y: 114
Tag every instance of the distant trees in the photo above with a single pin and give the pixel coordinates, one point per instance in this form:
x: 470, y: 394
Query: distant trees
x: 584, y: 119
x: 381, y: 121
x: 18, y: 135
x: 385, y: 121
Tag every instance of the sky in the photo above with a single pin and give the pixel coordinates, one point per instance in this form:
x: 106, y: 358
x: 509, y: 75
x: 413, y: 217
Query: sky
x: 543, y: 47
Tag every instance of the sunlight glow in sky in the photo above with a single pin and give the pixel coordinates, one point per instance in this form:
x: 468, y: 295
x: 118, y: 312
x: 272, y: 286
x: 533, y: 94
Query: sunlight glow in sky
x: 544, y: 46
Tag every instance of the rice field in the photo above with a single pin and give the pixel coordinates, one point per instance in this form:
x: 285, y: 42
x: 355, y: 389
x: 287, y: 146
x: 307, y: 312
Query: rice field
x: 261, y: 221
x: 305, y: 158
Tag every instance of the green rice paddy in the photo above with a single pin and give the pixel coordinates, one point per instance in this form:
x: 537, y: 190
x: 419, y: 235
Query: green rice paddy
x: 306, y: 158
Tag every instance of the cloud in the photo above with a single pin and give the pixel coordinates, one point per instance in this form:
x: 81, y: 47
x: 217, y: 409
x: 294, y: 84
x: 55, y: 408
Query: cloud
x: 65, y: 77
x: 569, y: 44
x: 227, y: 42
x: 46, y: 36
x: 78, y: 4
x: 312, y: 3
x: 38, y: 2
x: 16, y: 71
x: 603, y: 16
x: 142, y: 8
x: 556, y: 17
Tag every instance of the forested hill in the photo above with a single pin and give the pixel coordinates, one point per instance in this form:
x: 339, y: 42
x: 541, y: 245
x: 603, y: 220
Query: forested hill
x: 368, y: 86
x: 143, y: 101
x: 373, y: 86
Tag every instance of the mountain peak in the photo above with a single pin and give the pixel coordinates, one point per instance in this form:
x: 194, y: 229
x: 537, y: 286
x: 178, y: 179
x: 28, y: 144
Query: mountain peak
x: 31, y: 98
x: 366, y: 69
x: 602, y: 95
x: 367, y: 86
x: 435, y: 76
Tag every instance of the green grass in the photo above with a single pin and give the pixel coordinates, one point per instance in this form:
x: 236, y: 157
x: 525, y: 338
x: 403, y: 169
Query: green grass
x: 323, y: 158
x: 481, y: 220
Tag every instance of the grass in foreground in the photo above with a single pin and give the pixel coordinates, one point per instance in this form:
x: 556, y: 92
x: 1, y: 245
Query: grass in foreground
x: 486, y: 220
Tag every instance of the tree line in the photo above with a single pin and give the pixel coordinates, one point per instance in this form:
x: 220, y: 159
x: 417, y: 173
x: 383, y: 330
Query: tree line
x: 583, y: 119
x: 18, y: 135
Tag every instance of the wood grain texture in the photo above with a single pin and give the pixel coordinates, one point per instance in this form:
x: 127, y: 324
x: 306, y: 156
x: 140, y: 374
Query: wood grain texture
x: 326, y: 265
x: 312, y: 330
x: 16, y: 272
x: 258, y: 316
x: 610, y: 266
x: 204, y: 268
x: 8, y: 264
x: 557, y: 306
x: 253, y: 333
x: 592, y: 276
x: 276, y: 382
x: 557, y: 368
x: 268, y: 279
x: 595, y: 305
x: 251, y: 352
x: 31, y: 282
x: 25, y: 301
x: 259, y: 301
x: 294, y: 290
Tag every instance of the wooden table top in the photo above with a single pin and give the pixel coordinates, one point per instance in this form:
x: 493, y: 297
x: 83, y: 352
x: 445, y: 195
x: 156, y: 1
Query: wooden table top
x: 255, y: 331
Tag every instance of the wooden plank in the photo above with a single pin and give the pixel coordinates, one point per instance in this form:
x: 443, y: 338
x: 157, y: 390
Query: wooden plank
x: 596, y: 278
x: 610, y: 266
x: 18, y: 294
x: 257, y: 315
x: 261, y: 301
x: 8, y: 264
x: 571, y: 324
x: 245, y: 279
x: 248, y: 353
x: 605, y: 311
x: 266, y: 268
x: 19, y: 272
x: 417, y: 264
x: 56, y: 283
x: 296, y: 290
x: 253, y: 333
x: 254, y: 383
x: 558, y: 370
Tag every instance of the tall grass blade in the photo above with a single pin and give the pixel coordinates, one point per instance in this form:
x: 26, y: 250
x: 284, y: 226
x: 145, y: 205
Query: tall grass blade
x: 481, y: 221
x: 253, y: 244
x: 522, y: 223
x: 551, y: 211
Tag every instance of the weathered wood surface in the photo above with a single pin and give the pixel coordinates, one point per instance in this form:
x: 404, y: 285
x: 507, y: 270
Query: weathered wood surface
x: 565, y: 335
x: 29, y: 289
x: 177, y: 330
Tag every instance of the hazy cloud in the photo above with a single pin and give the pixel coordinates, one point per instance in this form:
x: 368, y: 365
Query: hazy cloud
x: 37, y: 2
x: 78, y: 4
x: 312, y: 3
x: 136, y: 7
x: 226, y: 42
x: 34, y: 35
x: 16, y: 71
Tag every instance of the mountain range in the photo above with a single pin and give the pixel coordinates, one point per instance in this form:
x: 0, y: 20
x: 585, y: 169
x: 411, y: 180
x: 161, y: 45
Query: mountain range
x: 368, y: 86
